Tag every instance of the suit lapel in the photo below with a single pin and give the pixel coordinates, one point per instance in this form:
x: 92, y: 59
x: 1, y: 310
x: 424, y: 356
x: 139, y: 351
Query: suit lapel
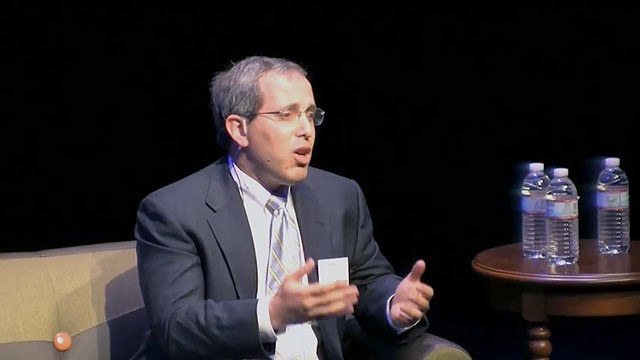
x: 230, y: 228
x: 314, y: 226
x: 317, y: 242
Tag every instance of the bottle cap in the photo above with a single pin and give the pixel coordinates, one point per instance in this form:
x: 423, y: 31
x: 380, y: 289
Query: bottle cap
x: 560, y: 172
x: 536, y: 167
x: 612, y: 162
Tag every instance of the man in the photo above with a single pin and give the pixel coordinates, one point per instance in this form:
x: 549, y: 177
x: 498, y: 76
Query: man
x: 223, y: 272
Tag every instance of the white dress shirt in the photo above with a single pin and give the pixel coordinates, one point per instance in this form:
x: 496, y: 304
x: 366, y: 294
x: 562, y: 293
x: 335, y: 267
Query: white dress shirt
x: 298, y: 338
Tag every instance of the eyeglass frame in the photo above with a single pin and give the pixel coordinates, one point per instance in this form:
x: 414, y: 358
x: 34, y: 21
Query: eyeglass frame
x: 318, y: 115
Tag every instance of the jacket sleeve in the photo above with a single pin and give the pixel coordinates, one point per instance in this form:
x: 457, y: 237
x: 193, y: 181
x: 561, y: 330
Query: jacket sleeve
x: 183, y: 321
x: 370, y: 271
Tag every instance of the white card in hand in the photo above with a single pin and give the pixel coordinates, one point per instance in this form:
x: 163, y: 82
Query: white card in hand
x: 332, y: 270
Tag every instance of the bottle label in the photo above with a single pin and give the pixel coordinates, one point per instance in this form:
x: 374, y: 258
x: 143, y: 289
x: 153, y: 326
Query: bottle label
x: 565, y: 209
x: 613, y: 199
x: 533, y: 204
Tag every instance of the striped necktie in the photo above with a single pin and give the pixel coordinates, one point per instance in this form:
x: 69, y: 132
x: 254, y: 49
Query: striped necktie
x: 285, y: 257
x: 284, y: 254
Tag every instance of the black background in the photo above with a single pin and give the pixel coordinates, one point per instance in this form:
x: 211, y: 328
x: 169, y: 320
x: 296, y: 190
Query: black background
x: 434, y: 109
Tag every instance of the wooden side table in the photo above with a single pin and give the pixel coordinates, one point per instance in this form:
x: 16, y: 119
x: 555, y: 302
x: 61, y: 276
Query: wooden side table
x: 598, y: 285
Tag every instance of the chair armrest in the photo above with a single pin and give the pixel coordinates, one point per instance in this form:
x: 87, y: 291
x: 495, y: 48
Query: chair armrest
x: 431, y: 347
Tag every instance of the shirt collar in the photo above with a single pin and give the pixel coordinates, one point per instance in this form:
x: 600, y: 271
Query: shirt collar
x: 252, y: 190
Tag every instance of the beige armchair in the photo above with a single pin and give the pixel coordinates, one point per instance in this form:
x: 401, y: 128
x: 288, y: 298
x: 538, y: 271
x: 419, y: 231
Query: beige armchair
x: 359, y: 346
x: 84, y: 303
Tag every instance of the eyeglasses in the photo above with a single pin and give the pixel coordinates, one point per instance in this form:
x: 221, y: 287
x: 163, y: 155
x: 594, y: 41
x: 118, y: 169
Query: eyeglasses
x: 289, y: 116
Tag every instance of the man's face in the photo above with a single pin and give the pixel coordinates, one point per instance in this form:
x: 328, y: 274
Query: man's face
x: 279, y: 150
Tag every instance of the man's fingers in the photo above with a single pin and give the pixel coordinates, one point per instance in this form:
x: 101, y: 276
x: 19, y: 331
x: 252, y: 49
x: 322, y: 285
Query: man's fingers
x: 305, y: 269
x: 411, y: 314
x: 339, y: 294
x: 417, y: 270
x: 331, y: 309
x: 331, y: 299
x: 425, y: 290
x: 420, y: 302
x: 326, y: 293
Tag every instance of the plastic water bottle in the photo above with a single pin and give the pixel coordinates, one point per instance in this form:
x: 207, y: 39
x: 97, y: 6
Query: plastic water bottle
x: 563, y: 236
x: 612, y: 191
x: 533, y: 208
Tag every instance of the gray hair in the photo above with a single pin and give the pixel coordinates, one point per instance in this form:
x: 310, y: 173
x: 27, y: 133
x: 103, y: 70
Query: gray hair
x: 236, y: 90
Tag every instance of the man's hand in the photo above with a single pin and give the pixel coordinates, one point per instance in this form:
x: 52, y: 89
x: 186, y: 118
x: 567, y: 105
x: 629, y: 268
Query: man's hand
x: 296, y: 303
x: 411, y: 300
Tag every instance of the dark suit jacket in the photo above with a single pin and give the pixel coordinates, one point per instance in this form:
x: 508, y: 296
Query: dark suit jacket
x: 197, y: 265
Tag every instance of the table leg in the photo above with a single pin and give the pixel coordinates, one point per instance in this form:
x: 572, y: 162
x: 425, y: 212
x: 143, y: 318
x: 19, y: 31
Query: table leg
x: 539, y: 341
x: 534, y: 312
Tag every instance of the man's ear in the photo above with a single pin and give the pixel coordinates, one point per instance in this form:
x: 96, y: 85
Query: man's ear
x: 237, y: 129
